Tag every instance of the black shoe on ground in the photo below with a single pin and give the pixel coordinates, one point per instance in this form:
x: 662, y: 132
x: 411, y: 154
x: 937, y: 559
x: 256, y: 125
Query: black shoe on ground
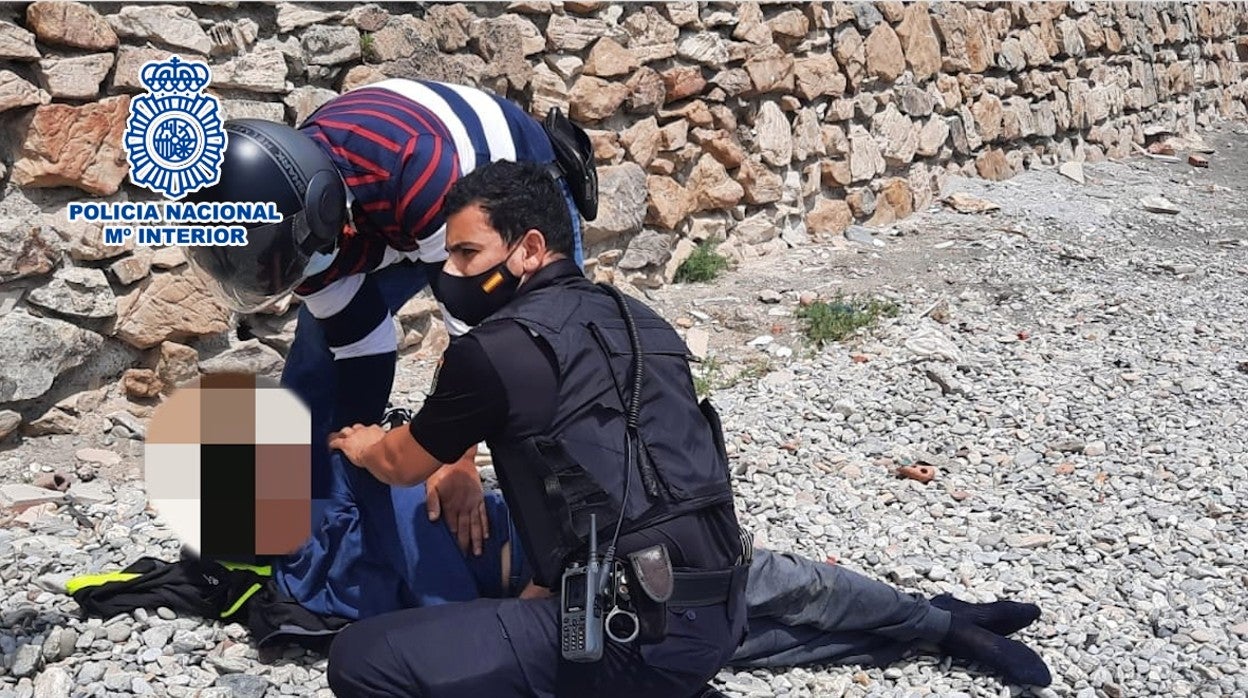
x: 1001, y: 617
x: 1018, y: 663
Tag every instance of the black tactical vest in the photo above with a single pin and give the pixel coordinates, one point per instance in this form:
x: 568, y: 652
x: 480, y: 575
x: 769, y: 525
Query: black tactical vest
x: 553, y: 482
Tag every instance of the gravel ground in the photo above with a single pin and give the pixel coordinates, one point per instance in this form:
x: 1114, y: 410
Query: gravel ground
x: 1071, y: 365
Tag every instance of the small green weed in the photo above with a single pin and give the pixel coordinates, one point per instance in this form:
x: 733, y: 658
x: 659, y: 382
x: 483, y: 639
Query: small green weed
x: 368, y: 48
x: 703, y: 265
x: 753, y: 370
x: 839, y: 318
x: 707, y: 377
x: 712, y: 375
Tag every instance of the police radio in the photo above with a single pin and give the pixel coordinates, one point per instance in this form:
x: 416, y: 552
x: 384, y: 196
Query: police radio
x: 581, y: 605
x: 583, y: 598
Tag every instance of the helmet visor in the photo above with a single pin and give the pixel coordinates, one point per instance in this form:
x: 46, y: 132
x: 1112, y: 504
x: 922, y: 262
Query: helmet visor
x: 249, y: 277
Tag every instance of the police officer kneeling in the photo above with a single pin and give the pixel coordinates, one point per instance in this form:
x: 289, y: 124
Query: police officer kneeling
x: 587, y: 403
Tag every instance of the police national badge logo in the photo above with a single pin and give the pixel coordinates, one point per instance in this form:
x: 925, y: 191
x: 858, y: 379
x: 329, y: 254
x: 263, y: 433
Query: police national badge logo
x: 175, y: 142
x: 174, y: 138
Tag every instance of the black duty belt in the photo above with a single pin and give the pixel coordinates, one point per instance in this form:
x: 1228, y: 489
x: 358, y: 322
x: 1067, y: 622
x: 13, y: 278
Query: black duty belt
x: 703, y: 588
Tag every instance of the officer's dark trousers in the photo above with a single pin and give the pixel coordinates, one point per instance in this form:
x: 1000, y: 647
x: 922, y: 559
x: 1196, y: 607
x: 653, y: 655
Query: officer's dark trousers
x: 503, y: 648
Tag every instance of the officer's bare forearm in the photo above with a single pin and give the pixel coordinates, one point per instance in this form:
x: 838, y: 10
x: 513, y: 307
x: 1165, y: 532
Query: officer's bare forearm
x: 399, y: 460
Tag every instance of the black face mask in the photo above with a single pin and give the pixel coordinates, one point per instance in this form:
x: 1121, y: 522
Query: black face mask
x: 474, y: 298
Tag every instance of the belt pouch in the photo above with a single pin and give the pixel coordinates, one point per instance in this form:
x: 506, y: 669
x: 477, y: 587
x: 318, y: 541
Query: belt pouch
x: 651, y: 581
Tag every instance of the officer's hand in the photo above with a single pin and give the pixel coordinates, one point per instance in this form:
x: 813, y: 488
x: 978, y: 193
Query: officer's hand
x: 355, y: 441
x: 455, y: 490
x: 533, y: 591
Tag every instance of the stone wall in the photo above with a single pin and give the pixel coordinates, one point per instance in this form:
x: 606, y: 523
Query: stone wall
x: 760, y: 125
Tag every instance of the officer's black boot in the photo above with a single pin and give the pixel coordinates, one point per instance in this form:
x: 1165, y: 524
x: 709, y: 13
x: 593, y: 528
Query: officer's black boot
x: 709, y: 691
x: 1018, y: 663
x: 1001, y: 617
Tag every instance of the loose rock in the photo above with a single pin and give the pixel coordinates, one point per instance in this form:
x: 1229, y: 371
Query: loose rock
x: 1159, y: 204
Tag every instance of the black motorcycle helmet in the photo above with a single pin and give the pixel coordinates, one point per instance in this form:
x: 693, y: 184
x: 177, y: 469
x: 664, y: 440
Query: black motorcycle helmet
x: 267, y: 161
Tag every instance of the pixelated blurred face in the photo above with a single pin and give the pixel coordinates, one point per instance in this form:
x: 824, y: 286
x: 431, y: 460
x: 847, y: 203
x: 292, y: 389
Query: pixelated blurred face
x: 228, y: 467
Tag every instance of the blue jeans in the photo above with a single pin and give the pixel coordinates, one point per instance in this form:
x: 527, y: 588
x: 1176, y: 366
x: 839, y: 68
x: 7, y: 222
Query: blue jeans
x: 324, y: 574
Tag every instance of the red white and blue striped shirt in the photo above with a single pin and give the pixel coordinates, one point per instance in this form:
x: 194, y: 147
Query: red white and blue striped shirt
x: 400, y: 145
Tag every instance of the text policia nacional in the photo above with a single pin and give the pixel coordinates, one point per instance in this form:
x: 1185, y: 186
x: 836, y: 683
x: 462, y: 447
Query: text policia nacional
x: 174, y: 223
